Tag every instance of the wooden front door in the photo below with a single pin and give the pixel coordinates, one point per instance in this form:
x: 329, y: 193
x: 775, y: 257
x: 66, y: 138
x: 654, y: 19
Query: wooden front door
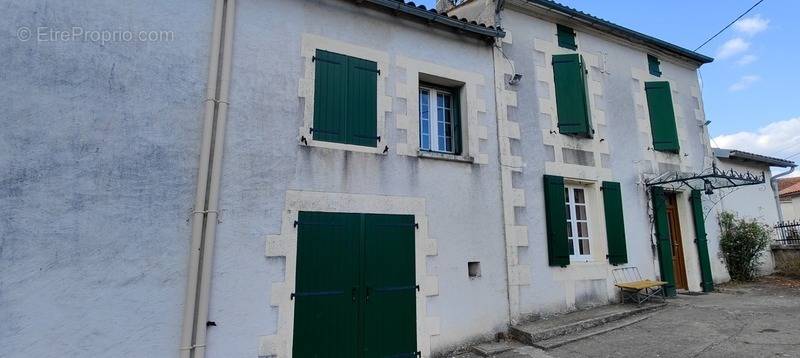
x: 678, y: 263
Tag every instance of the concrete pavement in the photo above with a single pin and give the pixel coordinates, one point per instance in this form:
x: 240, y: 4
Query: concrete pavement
x: 759, y: 319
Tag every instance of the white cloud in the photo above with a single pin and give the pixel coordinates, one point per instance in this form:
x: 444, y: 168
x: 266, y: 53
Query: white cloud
x: 732, y: 47
x: 744, y: 83
x: 751, y: 25
x: 777, y: 139
x: 746, y: 60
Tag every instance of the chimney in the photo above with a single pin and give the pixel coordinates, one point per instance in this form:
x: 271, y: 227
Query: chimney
x: 444, y: 5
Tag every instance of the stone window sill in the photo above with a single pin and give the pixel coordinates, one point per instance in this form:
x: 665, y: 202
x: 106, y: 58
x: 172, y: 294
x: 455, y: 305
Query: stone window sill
x: 445, y: 156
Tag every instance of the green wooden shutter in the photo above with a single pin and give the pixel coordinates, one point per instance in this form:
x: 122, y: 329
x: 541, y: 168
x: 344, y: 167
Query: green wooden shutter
x: 701, y: 240
x: 566, y: 37
x: 556, y: 219
x: 654, y: 65
x: 572, y: 103
x: 330, y: 96
x: 390, y: 328
x: 361, y: 127
x: 662, y: 116
x: 663, y: 242
x: 325, y: 311
x: 457, y: 131
x: 615, y: 223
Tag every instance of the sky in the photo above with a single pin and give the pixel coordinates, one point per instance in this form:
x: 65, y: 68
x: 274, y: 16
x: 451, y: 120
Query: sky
x: 751, y: 91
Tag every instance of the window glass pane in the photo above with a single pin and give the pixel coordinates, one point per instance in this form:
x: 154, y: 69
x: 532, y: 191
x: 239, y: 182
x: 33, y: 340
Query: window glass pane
x: 566, y: 195
x: 444, y: 125
x: 580, y: 212
x: 569, y: 212
x: 424, y: 119
x: 584, y: 246
x: 571, y: 247
x: 569, y: 229
x: 579, y: 196
x: 583, y: 229
x: 448, y: 130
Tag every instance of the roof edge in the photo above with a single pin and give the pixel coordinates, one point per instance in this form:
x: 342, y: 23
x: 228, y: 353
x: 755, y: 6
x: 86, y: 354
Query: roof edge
x: 432, y: 16
x: 741, y: 155
x: 622, y: 31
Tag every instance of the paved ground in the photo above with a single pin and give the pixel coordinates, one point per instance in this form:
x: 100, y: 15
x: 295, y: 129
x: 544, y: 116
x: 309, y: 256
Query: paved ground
x: 740, y: 320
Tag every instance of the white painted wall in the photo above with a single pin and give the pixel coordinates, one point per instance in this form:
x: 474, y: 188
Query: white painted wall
x: 755, y: 202
x: 97, y: 176
x: 791, y: 208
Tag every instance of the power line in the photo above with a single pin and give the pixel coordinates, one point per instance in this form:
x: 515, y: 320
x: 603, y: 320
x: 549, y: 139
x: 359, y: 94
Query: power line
x: 793, y: 155
x: 729, y: 25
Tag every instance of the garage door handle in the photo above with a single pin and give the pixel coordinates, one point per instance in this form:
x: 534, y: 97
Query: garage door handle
x: 369, y: 292
x: 354, y: 293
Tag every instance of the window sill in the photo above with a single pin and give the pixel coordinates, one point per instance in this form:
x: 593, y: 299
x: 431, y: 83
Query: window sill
x: 445, y: 156
x: 308, y: 141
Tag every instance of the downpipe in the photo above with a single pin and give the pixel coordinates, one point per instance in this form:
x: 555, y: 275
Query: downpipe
x: 206, y: 211
x: 774, y: 183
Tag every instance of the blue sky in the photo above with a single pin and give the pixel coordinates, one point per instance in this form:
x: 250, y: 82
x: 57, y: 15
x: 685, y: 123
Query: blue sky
x: 751, y: 89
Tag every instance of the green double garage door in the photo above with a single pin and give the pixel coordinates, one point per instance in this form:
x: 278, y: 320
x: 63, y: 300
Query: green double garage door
x: 355, y: 294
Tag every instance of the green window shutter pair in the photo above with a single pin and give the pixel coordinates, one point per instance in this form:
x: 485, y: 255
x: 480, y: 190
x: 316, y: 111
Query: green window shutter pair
x: 556, y: 220
x: 707, y: 283
x: 345, y: 99
x: 654, y: 65
x: 572, y: 102
x: 663, y: 242
x: 566, y: 37
x: 615, y: 223
x: 662, y: 117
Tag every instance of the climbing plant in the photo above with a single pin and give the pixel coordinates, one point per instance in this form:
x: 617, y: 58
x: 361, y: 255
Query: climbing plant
x: 742, y: 243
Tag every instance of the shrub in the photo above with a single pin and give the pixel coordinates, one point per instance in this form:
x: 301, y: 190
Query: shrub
x: 742, y: 242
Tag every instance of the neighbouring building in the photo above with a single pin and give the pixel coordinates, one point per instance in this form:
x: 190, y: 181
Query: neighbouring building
x: 374, y: 178
x: 755, y: 202
x: 790, y: 198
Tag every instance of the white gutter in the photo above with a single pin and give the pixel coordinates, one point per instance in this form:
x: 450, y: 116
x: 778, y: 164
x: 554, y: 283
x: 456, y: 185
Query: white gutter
x: 774, y: 183
x: 205, y: 213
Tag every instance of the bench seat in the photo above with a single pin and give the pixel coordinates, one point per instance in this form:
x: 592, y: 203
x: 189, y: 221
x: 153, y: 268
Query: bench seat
x: 640, y: 285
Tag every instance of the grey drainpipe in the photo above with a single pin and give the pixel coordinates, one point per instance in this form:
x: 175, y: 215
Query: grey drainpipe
x: 774, y: 183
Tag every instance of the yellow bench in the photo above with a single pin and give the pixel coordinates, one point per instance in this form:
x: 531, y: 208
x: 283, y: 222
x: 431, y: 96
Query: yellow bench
x: 633, y: 288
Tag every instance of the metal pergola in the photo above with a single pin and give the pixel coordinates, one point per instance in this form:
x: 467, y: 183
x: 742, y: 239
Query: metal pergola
x: 708, y: 180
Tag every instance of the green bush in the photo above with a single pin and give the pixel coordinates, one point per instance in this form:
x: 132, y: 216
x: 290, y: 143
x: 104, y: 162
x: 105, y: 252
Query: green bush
x: 742, y: 243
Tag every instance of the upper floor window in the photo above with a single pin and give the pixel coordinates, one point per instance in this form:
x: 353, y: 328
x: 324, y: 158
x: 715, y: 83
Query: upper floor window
x: 439, y: 120
x: 654, y: 65
x: 345, y: 99
x: 566, y: 37
x: 577, y: 222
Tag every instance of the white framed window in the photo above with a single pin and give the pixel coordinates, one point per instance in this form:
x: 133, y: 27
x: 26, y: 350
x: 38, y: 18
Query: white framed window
x: 577, y: 223
x: 437, y: 120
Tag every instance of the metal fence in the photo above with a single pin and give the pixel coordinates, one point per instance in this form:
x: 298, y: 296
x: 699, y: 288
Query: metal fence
x: 788, y: 232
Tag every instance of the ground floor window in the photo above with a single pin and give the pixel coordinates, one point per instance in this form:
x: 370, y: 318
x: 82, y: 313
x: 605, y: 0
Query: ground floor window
x: 577, y: 223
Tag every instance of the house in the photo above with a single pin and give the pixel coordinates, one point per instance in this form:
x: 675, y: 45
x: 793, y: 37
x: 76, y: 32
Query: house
x: 608, y: 111
x: 790, y: 198
x: 374, y: 178
x: 755, y: 202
